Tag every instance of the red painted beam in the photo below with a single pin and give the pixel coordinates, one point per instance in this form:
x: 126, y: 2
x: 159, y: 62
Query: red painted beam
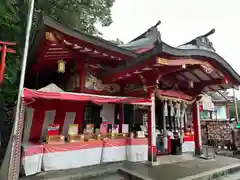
x: 56, y: 58
x: 9, y: 50
x: 8, y: 43
x: 57, y: 55
x: 110, y: 77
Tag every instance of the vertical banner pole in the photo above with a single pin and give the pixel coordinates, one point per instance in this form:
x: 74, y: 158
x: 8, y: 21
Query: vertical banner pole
x: 16, y: 139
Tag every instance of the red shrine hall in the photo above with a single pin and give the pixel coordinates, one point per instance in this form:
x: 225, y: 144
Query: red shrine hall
x: 84, y: 95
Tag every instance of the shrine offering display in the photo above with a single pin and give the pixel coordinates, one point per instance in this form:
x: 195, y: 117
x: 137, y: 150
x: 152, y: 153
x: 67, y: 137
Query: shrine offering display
x: 77, y: 149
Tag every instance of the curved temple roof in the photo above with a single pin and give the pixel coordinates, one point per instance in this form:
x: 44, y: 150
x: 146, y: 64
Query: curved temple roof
x: 200, y: 42
x: 145, y: 41
x: 200, y: 47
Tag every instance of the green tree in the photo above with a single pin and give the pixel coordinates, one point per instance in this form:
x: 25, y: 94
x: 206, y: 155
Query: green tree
x: 12, y: 28
x: 79, y: 14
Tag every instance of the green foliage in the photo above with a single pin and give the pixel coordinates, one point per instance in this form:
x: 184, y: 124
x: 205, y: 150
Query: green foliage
x: 12, y: 28
x: 79, y: 14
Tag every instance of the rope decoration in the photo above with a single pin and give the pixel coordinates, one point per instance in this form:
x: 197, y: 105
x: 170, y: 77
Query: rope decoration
x: 165, y: 98
x: 172, y: 112
x: 165, y: 108
x: 17, y: 138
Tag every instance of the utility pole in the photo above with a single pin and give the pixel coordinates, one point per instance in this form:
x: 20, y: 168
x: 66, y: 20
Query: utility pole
x: 235, y: 104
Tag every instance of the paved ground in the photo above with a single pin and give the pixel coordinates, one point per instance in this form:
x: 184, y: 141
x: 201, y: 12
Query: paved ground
x: 188, y: 167
x: 86, y: 172
x: 234, y: 176
x: 181, y: 169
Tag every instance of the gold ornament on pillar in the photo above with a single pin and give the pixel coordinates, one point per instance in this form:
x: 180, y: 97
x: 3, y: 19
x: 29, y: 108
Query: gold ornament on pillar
x: 61, y: 66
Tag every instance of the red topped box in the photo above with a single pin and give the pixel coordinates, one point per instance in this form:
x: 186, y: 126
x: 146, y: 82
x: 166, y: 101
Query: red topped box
x: 53, y: 129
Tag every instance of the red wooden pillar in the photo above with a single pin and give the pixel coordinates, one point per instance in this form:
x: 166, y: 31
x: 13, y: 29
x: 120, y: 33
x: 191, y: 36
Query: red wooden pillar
x: 151, y: 131
x: 82, y: 76
x: 121, y: 110
x: 80, y: 116
x: 121, y: 116
x: 196, y: 127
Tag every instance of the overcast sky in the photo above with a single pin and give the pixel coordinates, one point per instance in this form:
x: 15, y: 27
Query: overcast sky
x: 182, y: 20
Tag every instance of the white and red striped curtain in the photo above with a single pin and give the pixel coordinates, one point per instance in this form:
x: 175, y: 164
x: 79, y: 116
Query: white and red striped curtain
x: 39, y: 115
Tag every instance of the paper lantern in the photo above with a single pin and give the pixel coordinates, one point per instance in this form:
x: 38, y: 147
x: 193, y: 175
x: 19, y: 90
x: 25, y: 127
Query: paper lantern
x: 61, y: 66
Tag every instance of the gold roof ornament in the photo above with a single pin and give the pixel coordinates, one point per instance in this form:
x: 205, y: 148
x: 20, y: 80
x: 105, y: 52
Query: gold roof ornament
x: 162, y: 61
x: 61, y: 66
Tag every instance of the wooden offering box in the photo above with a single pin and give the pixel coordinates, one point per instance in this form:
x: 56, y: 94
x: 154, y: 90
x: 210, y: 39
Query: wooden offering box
x: 75, y: 138
x: 55, y: 139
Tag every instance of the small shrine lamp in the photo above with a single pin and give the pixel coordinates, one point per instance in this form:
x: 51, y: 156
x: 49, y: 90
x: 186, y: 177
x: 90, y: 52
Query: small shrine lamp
x: 61, y: 66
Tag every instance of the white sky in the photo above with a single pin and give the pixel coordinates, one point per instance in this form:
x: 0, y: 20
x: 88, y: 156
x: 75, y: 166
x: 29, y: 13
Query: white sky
x: 182, y: 20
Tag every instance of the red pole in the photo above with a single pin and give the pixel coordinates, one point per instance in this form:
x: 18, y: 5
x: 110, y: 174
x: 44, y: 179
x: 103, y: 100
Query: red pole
x: 4, y: 51
x: 2, y: 66
x: 196, y: 127
x: 121, y: 116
